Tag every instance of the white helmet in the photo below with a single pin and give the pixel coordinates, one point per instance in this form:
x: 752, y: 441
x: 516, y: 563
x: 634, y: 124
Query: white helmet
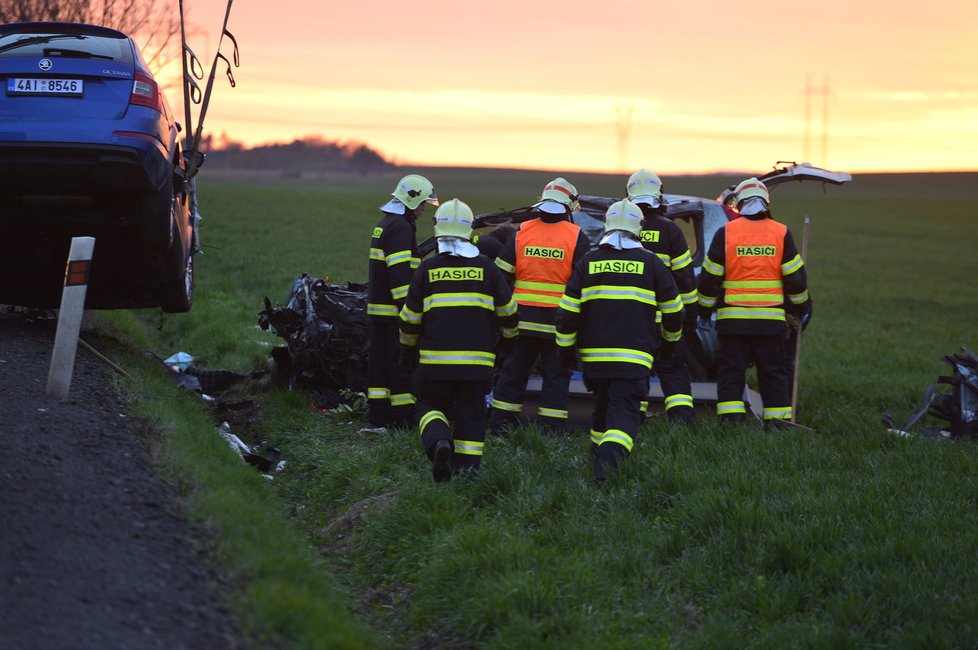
x: 558, y: 197
x: 751, y: 188
x: 625, y: 216
x: 645, y: 187
x: 454, y: 219
x: 413, y: 190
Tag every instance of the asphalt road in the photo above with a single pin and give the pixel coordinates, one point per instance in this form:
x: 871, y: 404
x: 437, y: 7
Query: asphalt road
x: 95, y: 549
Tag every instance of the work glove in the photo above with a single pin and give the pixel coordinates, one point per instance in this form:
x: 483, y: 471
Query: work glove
x: 506, y: 346
x: 408, y: 357
x: 666, y: 351
x: 568, y: 357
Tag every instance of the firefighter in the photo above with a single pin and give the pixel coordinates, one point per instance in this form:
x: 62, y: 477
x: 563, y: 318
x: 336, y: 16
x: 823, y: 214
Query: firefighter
x: 540, y: 259
x: 661, y: 235
x: 752, y: 275
x: 610, y: 313
x: 457, y: 301
x: 393, y: 258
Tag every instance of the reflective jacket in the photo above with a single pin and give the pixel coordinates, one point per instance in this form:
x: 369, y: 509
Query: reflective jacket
x: 752, y: 263
x: 541, y: 258
x: 393, y: 258
x: 455, y: 306
x: 609, y: 312
x: 661, y: 235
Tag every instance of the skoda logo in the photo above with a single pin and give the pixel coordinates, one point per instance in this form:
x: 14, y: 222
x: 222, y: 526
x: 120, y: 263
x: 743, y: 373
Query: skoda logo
x: 44, y: 64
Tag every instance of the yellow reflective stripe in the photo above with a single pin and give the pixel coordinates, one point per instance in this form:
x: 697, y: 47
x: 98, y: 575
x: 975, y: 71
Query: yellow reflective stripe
x: 408, y: 339
x: 706, y: 301
x: 398, y: 293
x: 546, y: 299
x: 792, y: 265
x: 459, y: 300
x: 573, y: 305
x: 643, y: 406
x: 620, y: 355
x: 671, y: 306
x: 672, y: 337
x: 506, y: 406
x: 712, y: 267
x: 469, y: 447
x: 458, y: 358
x: 429, y: 417
x: 566, y: 340
x: 510, y: 332
x: 798, y: 298
x: 777, y: 413
x: 380, y: 309
x: 758, y: 299
x: 679, y: 399
x: 402, y: 399
x: 596, y: 436
x: 398, y: 258
x: 543, y: 328
x: 682, y: 261
x: 539, y: 286
x: 377, y: 254
x: 730, y: 408
x: 506, y: 310
x: 689, y: 297
x: 752, y: 284
x: 617, y: 436
x: 612, y: 292
x: 374, y: 392
x: 505, y: 266
x: 552, y: 413
x: 409, y: 316
x: 415, y: 263
x: 665, y: 259
x: 751, y: 313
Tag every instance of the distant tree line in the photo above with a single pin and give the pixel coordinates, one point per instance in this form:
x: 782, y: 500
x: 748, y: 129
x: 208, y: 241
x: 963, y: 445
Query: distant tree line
x: 311, y: 154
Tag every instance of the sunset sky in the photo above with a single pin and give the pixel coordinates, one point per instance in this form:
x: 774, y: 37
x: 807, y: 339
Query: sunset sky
x: 697, y: 86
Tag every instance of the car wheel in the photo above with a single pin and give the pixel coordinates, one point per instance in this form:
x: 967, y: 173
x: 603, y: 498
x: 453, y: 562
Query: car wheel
x: 177, y: 294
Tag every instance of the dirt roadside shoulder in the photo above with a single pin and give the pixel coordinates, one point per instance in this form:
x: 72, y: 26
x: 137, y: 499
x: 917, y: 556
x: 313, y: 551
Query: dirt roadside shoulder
x: 96, y: 551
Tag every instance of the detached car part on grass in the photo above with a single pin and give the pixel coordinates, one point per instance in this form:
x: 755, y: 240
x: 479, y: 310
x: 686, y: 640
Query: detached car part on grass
x: 957, y: 406
x: 327, y: 346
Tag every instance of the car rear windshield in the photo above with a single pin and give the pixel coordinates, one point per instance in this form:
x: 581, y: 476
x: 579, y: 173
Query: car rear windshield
x: 66, y: 44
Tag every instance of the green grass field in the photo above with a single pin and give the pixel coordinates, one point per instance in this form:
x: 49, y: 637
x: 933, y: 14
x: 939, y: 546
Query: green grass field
x: 849, y: 537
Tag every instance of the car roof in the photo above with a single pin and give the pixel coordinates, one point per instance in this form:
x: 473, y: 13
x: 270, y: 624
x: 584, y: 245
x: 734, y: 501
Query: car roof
x: 43, y: 27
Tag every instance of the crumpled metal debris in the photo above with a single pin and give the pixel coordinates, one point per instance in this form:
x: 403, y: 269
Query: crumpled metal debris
x: 958, y: 406
x: 327, y: 334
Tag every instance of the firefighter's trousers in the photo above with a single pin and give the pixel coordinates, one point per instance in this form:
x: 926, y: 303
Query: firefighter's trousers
x: 674, y: 380
x: 510, y: 388
x: 389, y: 398
x: 441, y: 401
x: 768, y: 354
x: 616, y: 418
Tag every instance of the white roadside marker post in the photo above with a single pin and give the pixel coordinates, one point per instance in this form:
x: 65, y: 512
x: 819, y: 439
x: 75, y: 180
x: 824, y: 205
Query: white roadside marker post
x: 70, y: 316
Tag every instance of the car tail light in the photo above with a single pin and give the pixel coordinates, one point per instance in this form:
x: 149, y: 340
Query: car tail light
x: 145, y: 92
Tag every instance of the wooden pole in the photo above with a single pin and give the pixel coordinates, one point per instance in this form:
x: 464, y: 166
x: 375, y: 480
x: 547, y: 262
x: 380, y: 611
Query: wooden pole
x: 794, y: 378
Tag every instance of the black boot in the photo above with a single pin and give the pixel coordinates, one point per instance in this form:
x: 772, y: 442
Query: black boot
x: 441, y: 461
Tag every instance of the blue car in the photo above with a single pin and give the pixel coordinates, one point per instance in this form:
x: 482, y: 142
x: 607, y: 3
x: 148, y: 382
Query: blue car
x: 89, y: 146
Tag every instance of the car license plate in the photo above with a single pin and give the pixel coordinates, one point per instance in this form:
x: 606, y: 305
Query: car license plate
x: 26, y: 86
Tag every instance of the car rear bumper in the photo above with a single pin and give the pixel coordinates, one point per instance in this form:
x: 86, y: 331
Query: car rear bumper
x: 66, y: 168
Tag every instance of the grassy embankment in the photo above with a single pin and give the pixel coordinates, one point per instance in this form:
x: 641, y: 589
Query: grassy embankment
x: 709, y: 537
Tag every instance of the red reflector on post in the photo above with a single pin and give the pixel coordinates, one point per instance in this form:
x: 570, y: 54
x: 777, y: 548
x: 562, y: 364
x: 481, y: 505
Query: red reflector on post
x: 77, y: 273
